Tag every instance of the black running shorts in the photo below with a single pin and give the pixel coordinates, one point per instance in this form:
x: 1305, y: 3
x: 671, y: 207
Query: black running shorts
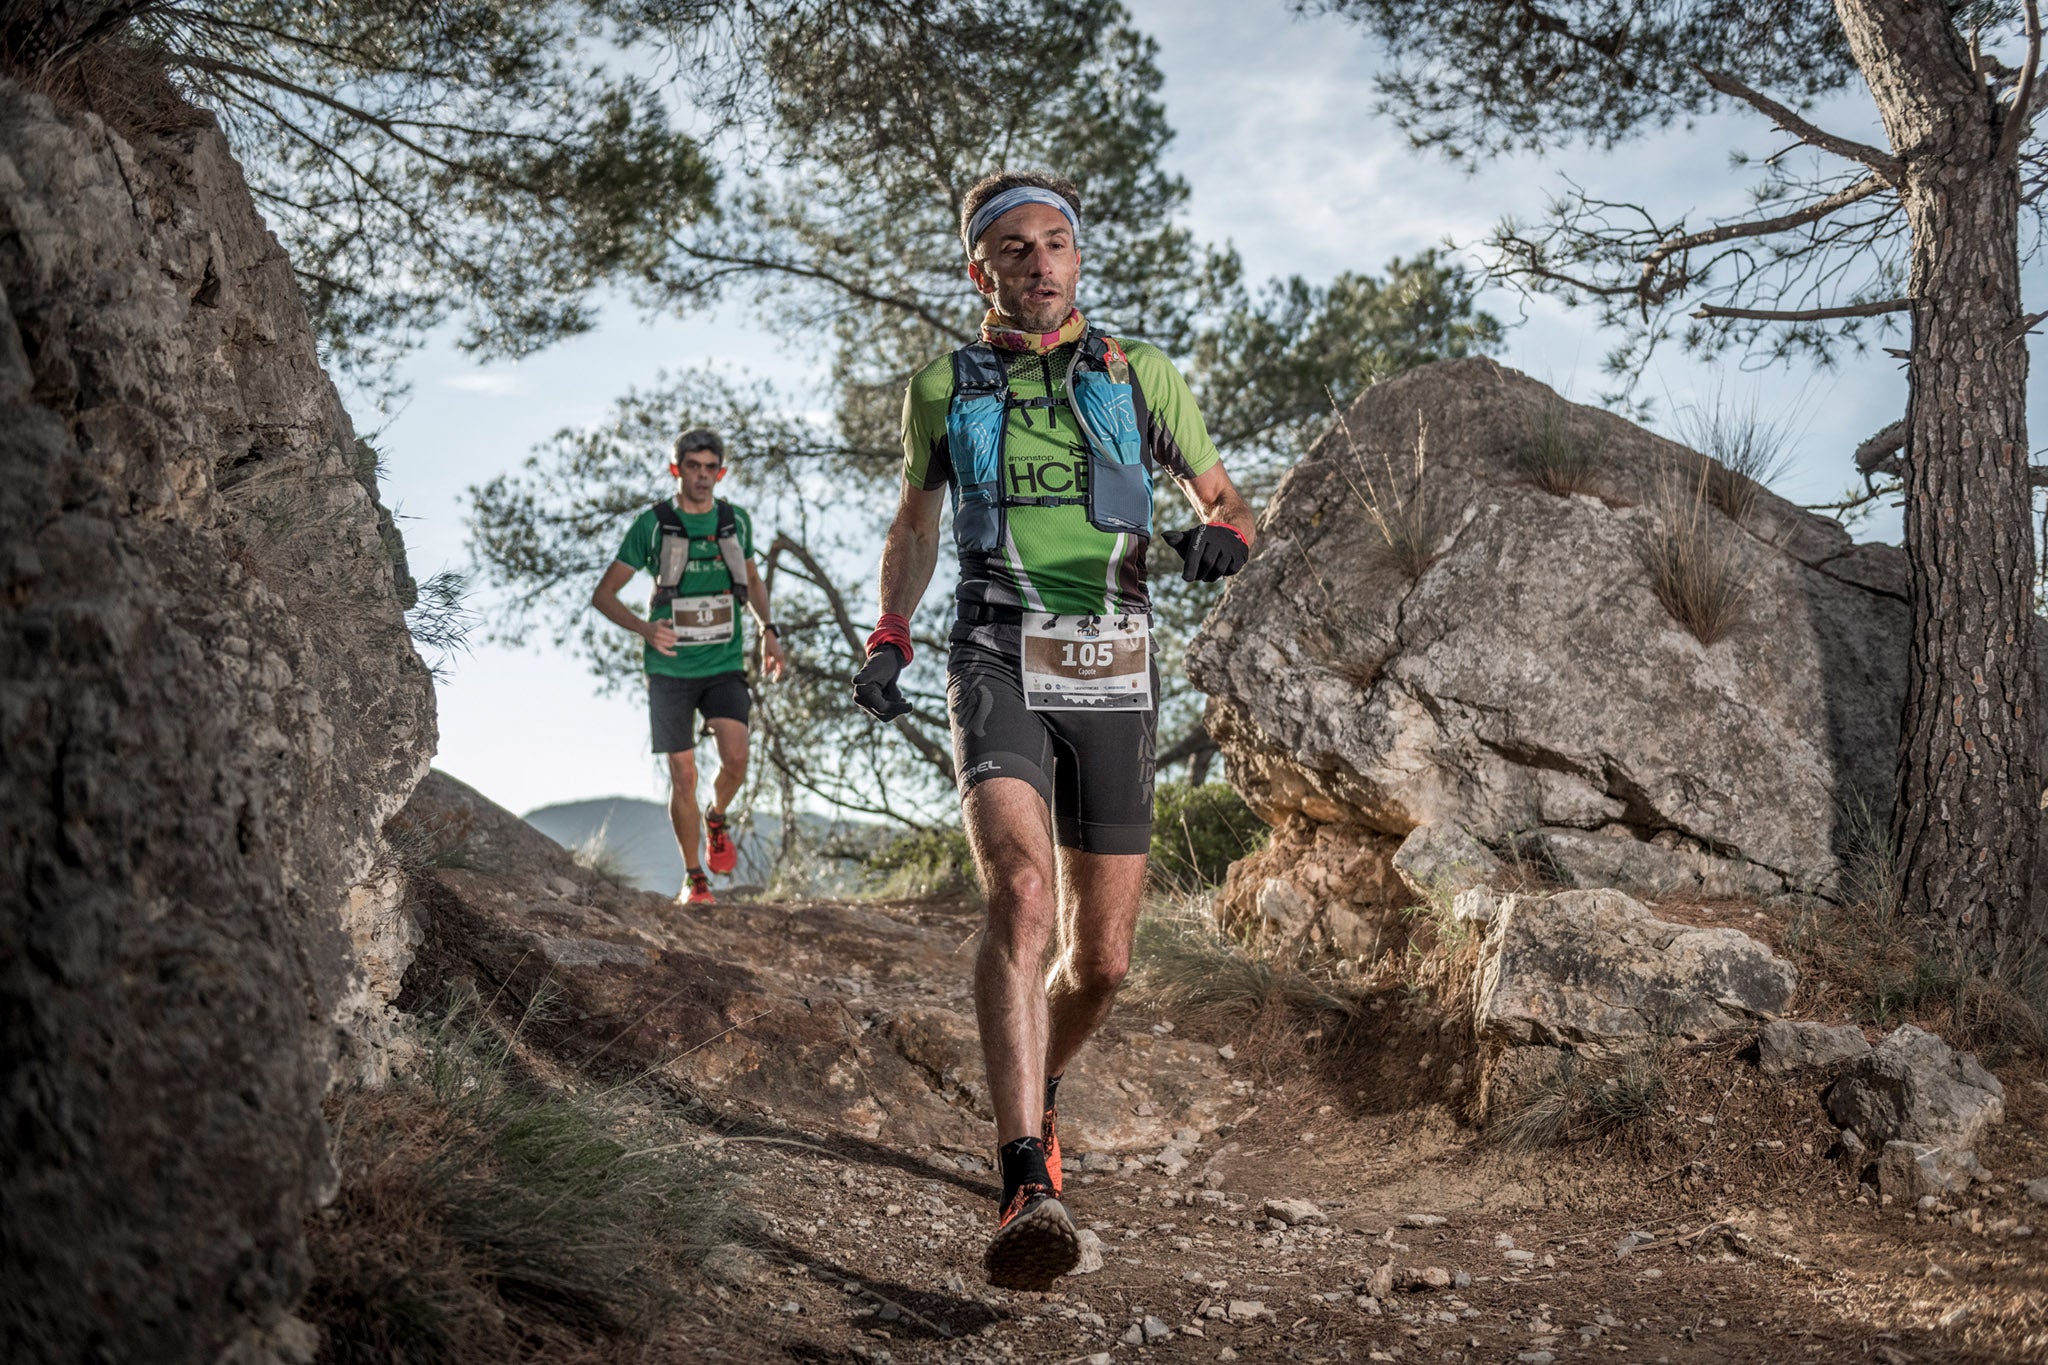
x: 671, y: 702
x: 1093, y: 768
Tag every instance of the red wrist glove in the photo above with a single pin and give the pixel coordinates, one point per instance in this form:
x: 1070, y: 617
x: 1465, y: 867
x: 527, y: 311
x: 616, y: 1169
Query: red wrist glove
x: 892, y: 629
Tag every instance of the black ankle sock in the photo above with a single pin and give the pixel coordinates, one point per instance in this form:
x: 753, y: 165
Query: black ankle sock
x: 1023, y: 1163
x: 1052, y: 1092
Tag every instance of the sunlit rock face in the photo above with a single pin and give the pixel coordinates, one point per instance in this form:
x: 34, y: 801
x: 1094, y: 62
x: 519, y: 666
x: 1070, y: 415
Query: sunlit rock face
x: 208, y: 706
x: 1521, y: 679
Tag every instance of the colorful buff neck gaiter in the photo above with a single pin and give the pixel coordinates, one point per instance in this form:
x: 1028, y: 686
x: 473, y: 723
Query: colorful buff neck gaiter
x: 1010, y: 339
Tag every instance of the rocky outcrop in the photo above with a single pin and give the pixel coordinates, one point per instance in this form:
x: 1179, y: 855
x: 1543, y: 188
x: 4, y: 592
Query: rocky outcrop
x: 1528, y: 684
x: 208, y: 705
x: 1594, y: 971
x: 1913, y: 1087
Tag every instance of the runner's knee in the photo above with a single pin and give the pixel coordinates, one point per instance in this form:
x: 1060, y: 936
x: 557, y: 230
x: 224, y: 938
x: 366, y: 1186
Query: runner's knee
x: 682, y: 770
x: 1099, y: 973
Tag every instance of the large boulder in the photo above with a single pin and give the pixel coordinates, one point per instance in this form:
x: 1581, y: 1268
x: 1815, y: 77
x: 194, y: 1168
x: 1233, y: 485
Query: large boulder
x: 209, y: 704
x: 1595, y: 972
x: 1528, y: 686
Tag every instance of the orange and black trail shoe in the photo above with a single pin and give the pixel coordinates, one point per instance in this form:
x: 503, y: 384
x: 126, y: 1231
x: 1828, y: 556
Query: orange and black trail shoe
x: 719, y: 854
x: 1035, y: 1241
x: 1049, y: 1134
x: 1035, y: 1245
x: 698, y: 892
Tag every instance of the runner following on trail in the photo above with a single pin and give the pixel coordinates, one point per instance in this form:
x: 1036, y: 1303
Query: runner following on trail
x: 1050, y: 435
x: 700, y: 550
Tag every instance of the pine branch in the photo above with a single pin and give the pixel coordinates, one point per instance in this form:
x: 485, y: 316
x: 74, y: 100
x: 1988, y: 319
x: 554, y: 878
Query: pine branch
x: 1847, y: 310
x: 1884, y: 163
x: 2017, y: 116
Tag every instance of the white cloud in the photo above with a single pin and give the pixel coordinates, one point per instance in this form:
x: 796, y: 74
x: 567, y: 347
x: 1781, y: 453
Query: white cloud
x: 498, y: 384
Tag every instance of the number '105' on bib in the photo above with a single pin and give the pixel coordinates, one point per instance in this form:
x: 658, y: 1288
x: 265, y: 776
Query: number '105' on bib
x: 1087, y: 663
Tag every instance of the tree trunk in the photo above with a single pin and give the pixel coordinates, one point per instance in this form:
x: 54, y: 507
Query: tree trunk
x: 1969, y: 767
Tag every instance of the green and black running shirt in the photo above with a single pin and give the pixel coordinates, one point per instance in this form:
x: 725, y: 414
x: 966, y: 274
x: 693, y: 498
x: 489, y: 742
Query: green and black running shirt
x: 705, y: 576
x: 1051, y: 559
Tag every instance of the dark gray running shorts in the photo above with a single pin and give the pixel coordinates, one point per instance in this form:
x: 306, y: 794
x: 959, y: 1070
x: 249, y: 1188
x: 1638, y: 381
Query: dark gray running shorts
x: 1093, y: 768
x: 671, y: 702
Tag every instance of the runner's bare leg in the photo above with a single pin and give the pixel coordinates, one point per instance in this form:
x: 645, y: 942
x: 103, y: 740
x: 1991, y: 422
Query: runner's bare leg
x: 1010, y: 831
x: 731, y: 736
x: 682, y: 805
x: 1099, y: 895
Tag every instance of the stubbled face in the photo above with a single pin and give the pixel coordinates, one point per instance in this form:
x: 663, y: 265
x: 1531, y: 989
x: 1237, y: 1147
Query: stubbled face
x: 1029, y: 266
x: 698, y: 475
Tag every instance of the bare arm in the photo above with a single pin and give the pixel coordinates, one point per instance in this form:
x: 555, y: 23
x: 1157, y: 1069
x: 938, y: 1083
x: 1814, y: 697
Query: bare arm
x: 757, y: 602
x: 1215, y: 498
x: 912, y: 550
x: 605, y: 597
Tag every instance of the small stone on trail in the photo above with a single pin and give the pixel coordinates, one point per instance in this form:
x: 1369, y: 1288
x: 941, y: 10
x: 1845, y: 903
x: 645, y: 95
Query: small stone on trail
x: 1155, y: 1330
x: 2037, y: 1190
x: 1501, y: 1241
x: 1091, y: 1253
x: 1294, y: 1212
x: 1244, y: 1310
x: 1133, y: 1336
x: 1226, y: 1354
x: 848, y: 1178
x: 1536, y: 1357
x: 1228, y: 1054
x: 1417, y: 1279
x: 1423, y: 1220
x: 1518, y: 1257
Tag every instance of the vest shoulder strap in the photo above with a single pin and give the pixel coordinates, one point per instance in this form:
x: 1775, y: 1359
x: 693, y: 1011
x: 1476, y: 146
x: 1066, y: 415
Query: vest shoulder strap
x: 668, y: 519
x: 978, y: 370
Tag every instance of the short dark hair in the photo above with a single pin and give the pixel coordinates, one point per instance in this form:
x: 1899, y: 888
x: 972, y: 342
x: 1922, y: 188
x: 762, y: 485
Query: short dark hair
x: 699, y: 438
x: 989, y: 186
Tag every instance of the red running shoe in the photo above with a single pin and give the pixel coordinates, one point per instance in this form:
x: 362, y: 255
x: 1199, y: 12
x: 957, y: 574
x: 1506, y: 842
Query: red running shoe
x: 719, y: 854
x: 1035, y: 1244
x: 1051, y: 1133
x: 699, y: 892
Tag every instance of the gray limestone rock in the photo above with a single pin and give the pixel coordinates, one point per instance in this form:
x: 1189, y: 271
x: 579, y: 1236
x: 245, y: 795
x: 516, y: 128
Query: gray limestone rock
x: 1593, y: 970
x: 1530, y: 678
x: 1785, y: 1046
x: 1439, y: 859
x: 1907, y: 1171
x: 1914, y: 1087
x: 211, y: 704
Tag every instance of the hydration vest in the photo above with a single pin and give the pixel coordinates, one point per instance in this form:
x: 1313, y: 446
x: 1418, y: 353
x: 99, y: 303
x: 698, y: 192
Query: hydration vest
x: 1106, y: 405
x: 672, y: 556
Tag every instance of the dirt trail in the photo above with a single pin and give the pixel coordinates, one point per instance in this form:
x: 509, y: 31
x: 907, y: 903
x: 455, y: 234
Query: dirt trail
x: 832, y: 1049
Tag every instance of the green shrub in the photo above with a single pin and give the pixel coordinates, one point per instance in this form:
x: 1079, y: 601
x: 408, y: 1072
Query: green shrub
x: 1198, y: 832
x: 936, y: 862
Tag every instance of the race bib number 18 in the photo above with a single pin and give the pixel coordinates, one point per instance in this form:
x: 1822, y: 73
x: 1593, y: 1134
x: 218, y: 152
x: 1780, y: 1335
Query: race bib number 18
x: 1087, y: 663
x: 703, y: 620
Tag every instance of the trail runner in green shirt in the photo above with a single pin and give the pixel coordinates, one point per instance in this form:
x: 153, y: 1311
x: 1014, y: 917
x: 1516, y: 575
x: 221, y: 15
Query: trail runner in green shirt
x: 1049, y: 435
x: 694, y: 546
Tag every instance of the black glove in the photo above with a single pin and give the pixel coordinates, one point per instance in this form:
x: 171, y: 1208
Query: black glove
x: 874, y: 687
x: 1209, y: 552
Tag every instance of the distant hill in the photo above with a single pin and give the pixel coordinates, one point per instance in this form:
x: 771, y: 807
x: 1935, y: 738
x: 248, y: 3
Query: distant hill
x: 640, y: 845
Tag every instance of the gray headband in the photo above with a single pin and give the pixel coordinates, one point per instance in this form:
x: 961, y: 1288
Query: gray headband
x: 1000, y: 204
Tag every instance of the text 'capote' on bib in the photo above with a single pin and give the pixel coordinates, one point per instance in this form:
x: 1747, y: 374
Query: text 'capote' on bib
x: 703, y: 620
x: 1087, y: 663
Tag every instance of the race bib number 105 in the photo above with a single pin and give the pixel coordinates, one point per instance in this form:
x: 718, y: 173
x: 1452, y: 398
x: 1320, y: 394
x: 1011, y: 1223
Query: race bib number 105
x: 1087, y: 663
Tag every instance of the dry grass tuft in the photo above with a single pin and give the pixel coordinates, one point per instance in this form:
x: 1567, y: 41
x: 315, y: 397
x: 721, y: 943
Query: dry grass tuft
x: 485, y: 1217
x: 1412, y: 524
x: 1874, y: 964
x: 1699, y: 568
x: 1750, y: 450
x: 1557, y: 460
x: 1584, y: 1100
x: 1184, y: 964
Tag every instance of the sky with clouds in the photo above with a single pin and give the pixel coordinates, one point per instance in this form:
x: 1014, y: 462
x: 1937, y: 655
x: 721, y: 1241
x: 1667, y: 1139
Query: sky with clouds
x: 1285, y: 157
